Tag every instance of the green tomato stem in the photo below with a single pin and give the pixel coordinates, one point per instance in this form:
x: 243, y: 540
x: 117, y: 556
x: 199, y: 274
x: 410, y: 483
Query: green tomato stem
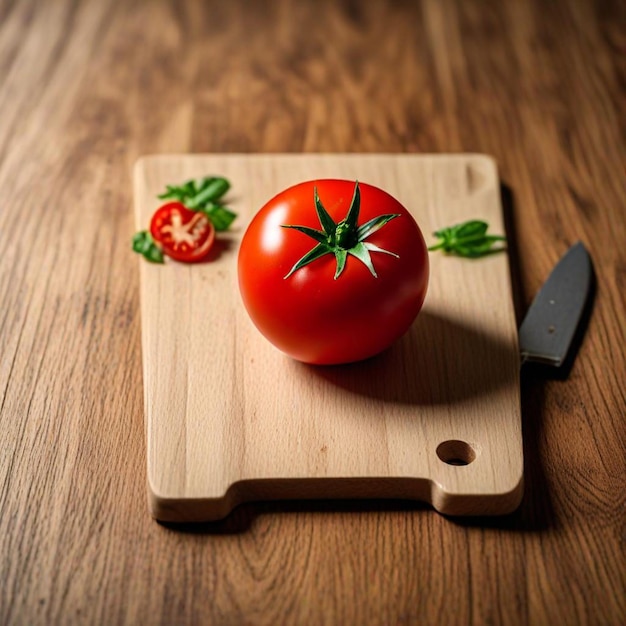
x: 342, y: 239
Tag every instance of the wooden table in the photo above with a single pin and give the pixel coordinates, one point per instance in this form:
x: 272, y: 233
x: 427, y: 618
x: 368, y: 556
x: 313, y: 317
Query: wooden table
x: 88, y: 87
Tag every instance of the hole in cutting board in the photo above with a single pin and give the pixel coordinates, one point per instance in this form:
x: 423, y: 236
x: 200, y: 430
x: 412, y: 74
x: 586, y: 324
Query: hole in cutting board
x: 456, y: 452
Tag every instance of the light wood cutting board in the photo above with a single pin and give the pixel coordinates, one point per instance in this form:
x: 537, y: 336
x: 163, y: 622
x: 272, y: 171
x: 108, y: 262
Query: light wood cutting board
x: 230, y: 419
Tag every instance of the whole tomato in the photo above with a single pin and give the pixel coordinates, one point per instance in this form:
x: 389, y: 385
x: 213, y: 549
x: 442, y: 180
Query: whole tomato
x: 333, y: 271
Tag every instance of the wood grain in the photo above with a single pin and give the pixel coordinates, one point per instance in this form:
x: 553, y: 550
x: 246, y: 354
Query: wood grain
x: 87, y: 88
x: 229, y: 418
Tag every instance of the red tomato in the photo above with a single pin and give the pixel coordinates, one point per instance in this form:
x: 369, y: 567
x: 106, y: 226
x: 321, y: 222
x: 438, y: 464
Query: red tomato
x: 185, y: 235
x: 312, y: 314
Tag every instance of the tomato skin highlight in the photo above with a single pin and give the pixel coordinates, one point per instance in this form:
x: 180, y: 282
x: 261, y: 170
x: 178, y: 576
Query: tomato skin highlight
x: 311, y: 316
x: 183, y: 234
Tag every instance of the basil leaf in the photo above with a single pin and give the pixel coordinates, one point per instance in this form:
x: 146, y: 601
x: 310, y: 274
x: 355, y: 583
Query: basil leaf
x: 144, y: 244
x: 211, y: 190
x: 197, y: 192
x: 443, y: 233
x: 220, y: 216
x: 173, y: 193
x: 473, y: 228
x: 469, y: 239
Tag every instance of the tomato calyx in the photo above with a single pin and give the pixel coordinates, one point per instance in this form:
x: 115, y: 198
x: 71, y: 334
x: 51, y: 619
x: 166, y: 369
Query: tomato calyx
x: 343, y: 238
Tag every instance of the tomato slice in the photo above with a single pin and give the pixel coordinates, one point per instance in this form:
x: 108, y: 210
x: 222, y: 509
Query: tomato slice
x: 185, y: 235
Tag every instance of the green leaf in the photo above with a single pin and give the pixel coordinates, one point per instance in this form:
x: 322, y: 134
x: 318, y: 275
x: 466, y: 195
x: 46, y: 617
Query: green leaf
x: 469, y: 239
x: 197, y: 192
x: 178, y: 192
x: 473, y: 228
x: 144, y: 244
x: 220, y: 216
x: 173, y: 193
x: 444, y: 233
x: 482, y: 248
x: 211, y: 190
x: 203, y: 194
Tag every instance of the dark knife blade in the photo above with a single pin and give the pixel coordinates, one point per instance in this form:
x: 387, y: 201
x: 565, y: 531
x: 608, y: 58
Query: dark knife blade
x: 548, y: 329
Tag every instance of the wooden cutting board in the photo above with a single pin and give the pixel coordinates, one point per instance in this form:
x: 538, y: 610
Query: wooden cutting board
x: 230, y: 419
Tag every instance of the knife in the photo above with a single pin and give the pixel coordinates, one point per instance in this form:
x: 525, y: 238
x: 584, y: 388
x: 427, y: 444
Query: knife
x: 547, y: 333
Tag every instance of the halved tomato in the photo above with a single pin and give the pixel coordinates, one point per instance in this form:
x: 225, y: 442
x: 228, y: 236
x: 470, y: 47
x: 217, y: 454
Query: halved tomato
x: 183, y: 234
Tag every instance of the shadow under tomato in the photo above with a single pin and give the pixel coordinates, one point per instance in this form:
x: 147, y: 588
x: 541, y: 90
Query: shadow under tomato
x: 439, y: 360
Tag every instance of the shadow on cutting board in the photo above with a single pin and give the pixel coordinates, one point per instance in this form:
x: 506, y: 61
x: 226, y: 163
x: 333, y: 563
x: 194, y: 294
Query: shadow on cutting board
x: 439, y: 361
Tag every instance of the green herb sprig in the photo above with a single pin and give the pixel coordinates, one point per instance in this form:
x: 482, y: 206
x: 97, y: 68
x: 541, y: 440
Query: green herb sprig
x: 144, y: 244
x: 199, y: 194
x: 469, y: 240
x: 204, y: 194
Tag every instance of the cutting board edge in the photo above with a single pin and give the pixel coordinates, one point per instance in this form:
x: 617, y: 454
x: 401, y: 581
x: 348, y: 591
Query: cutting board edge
x: 410, y: 489
x: 488, y: 159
